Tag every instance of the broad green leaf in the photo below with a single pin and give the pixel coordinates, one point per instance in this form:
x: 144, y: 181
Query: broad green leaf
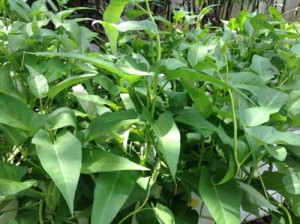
x: 263, y: 67
x: 94, y: 161
x: 193, y: 118
x: 111, y: 191
x: 172, y: 63
x: 21, y: 8
x: 107, y: 65
x: 10, y: 179
x: 11, y: 187
x: 98, y: 100
x: 274, y: 181
x: 272, y: 99
x: 133, y: 26
x: 60, y: 118
x: 61, y: 158
x: 269, y: 135
x: 254, y: 116
x: 168, y: 140
x: 200, y: 99
x: 55, y: 89
x: 197, y: 53
x: 223, y: 201
x: 163, y: 214
x: 246, y: 81
x: 6, y: 84
x: 293, y: 102
x: 14, y: 135
x: 109, y: 121
x: 292, y: 183
x: 25, y: 119
x: 38, y: 85
x: 253, y: 199
x: 278, y: 152
x: 112, y: 15
x: 128, y: 66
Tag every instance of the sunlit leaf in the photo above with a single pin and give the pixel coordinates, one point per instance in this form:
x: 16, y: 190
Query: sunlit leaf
x: 223, y: 201
x: 263, y: 67
x: 94, y: 161
x: 292, y: 183
x: 197, y: 53
x: 61, y: 158
x: 168, y: 140
x: 164, y: 214
x: 111, y: 191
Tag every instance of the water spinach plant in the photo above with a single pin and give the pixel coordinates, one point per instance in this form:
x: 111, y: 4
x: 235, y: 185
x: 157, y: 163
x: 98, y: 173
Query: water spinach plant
x: 163, y: 109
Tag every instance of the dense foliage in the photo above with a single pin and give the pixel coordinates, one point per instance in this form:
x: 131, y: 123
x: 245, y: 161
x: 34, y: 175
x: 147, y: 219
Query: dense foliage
x: 162, y: 109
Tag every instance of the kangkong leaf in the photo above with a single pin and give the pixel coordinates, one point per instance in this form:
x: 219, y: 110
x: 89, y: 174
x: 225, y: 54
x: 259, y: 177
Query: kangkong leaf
x: 223, y: 201
x: 14, y: 135
x: 38, y: 85
x: 197, y: 53
x: 277, y: 152
x: 168, y: 140
x: 60, y: 118
x: 292, y: 183
x: 164, y: 214
x: 94, y: 161
x: 16, y: 114
x: 254, y: 116
x: 263, y: 67
x: 293, y: 102
x: 111, y: 191
x: 54, y: 90
x: 10, y: 179
x: 253, y: 199
x: 272, y: 99
x: 112, y: 15
x: 269, y: 135
x: 6, y: 84
x: 108, y: 122
x: 107, y: 65
x: 61, y: 158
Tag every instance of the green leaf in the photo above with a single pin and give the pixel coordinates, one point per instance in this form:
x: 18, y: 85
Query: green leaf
x: 253, y: 199
x: 293, y: 102
x: 14, y: 135
x: 60, y: 118
x: 197, y: 53
x: 94, y: 161
x: 263, y: 67
x: 269, y: 135
x: 112, y: 15
x: 164, y: 215
x: 108, y: 122
x: 168, y: 140
x: 38, y: 85
x: 246, y: 81
x: 6, y: 84
x: 278, y: 152
x: 172, y: 63
x: 111, y: 191
x: 55, y: 89
x: 61, y: 158
x: 292, y: 183
x: 95, y: 99
x: 107, y: 65
x: 10, y: 179
x: 193, y: 118
x: 200, y: 99
x: 25, y: 119
x: 134, y: 26
x: 223, y: 201
x: 254, y: 116
x: 272, y: 99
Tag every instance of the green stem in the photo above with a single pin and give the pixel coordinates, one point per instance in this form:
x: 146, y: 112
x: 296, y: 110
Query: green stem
x: 290, y: 221
x: 41, y: 212
x: 235, y: 146
x: 150, y: 184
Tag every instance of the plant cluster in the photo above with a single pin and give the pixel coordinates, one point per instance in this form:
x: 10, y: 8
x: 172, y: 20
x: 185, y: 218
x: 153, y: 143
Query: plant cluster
x: 162, y: 109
